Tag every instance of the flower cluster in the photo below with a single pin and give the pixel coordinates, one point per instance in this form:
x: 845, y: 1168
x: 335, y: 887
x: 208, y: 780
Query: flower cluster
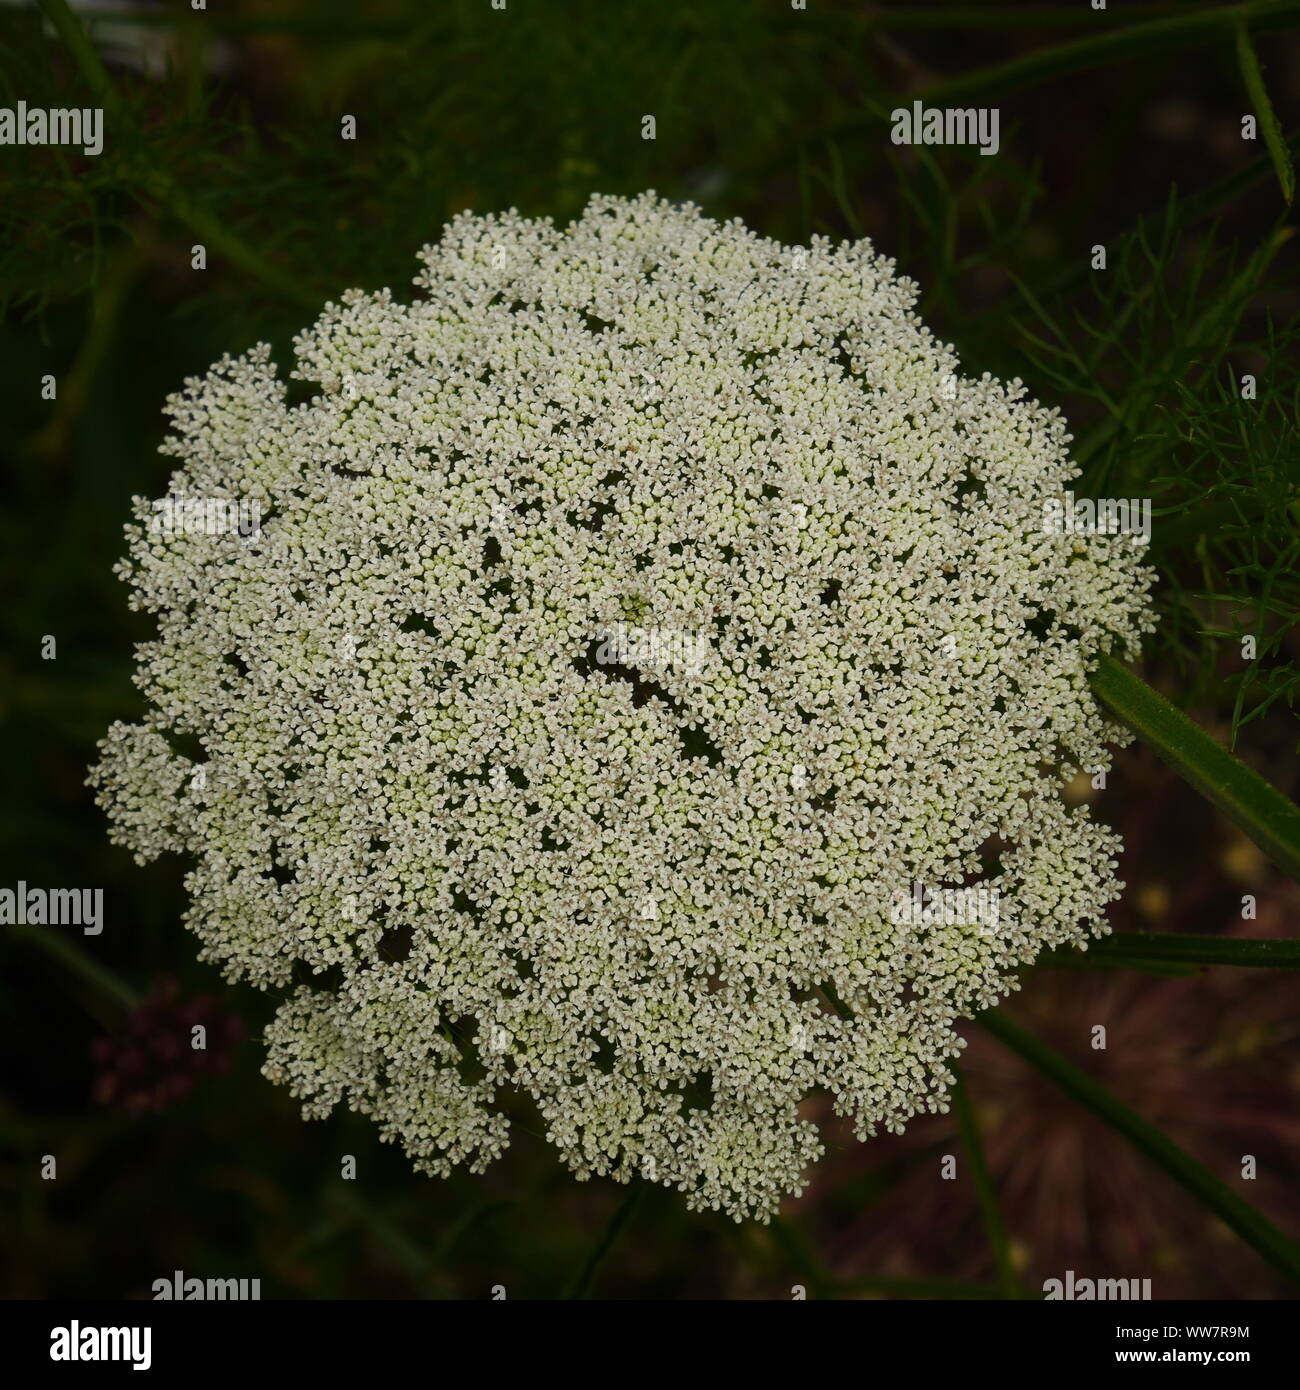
x: 661, y: 902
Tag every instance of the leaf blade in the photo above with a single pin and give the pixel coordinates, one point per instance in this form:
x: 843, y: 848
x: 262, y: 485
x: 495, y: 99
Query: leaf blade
x: 1250, y: 802
x: 1236, y: 1213
x: 1253, y: 76
x: 1139, y: 949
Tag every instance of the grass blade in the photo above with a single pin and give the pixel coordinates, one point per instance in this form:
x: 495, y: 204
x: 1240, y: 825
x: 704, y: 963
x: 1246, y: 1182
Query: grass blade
x: 583, y: 1282
x: 1189, y: 28
x: 1251, y: 803
x: 1252, y: 75
x: 158, y: 185
x: 968, y: 1126
x: 1255, y: 1229
x: 1141, y: 949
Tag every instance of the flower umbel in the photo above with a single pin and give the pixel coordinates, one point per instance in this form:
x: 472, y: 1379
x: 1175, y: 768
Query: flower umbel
x: 383, y: 726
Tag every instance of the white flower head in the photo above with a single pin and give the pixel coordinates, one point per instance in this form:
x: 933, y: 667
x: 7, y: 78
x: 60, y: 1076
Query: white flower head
x: 425, y: 789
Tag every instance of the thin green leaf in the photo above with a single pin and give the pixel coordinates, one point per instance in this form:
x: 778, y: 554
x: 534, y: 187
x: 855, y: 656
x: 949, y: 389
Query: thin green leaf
x: 1252, y: 75
x: 801, y: 1256
x: 106, y: 983
x: 159, y: 185
x: 587, y: 1274
x: 1187, y: 29
x: 1139, y: 949
x: 84, y: 54
x: 999, y: 1245
x: 1251, y: 803
x: 1250, y: 1225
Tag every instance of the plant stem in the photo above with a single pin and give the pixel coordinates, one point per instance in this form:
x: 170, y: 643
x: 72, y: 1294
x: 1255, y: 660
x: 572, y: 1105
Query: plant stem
x: 1253, y: 77
x: 108, y: 984
x: 84, y: 54
x: 1250, y: 1225
x: 158, y: 184
x: 1238, y: 791
x: 968, y: 1126
x: 1142, y: 948
x: 582, y: 1283
x: 1185, y: 29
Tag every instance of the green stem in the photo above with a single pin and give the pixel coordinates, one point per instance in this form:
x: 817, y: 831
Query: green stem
x: 388, y: 1234
x: 797, y: 1250
x: 108, y: 302
x: 1138, y: 949
x: 968, y: 1127
x: 1238, y: 791
x: 209, y: 227
x: 582, y: 1283
x: 158, y: 184
x: 1185, y: 29
x: 1239, y: 1215
x: 102, y: 979
x: 1253, y: 77
x: 70, y: 30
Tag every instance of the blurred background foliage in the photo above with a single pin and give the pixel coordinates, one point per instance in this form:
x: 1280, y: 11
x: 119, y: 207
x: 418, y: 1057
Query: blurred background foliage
x: 1121, y: 128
